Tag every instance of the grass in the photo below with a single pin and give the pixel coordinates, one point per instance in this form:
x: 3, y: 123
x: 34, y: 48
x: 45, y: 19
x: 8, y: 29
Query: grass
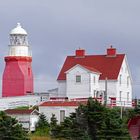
x: 43, y: 138
x: 40, y: 138
x: 41, y: 134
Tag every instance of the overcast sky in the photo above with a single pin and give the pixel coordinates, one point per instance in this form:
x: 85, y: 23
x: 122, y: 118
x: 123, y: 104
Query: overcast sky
x: 57, y: 27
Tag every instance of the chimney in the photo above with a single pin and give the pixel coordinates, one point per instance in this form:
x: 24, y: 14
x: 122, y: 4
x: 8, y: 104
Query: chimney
x: 111, y: 52
x: 80, y: 53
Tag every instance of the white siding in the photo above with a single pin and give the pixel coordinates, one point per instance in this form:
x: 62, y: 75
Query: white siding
x: 124, y: 87
x: 48, y: 111
x: 94, y: 83
x: 62, y: 88
x: 28, y: 121
x: 78, y: 90
x: 111, y: 87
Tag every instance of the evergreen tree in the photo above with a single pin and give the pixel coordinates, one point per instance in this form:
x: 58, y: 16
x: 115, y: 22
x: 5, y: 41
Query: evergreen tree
x: 92, y: 121
x: 70, y: 129
x: 54, y: 121
x: 42, y: 122
x: 55, y: 129
x: 42, y: 126
x: 113, y: 126
x: 10, y: 129
x: 95, y: 114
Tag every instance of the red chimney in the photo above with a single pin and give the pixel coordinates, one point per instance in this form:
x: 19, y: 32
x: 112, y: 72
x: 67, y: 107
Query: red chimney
x: 80, y: 53
x: 111, y: 51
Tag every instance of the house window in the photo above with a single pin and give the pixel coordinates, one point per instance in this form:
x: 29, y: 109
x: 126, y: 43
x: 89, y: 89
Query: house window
x: 78, y: 78
x: 127, y: 96
x: 120, y: 96
x: 94, y: 92
x: 120, y: 80
x: 125, y: 69
x: 94, y: 79
x: 62, y: 115
x: 128, y: 81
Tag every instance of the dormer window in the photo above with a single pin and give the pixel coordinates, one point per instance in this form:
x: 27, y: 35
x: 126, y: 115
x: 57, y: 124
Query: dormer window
x: 78, y: 78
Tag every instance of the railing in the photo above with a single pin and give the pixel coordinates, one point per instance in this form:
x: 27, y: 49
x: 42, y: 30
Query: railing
x: 111, y: 102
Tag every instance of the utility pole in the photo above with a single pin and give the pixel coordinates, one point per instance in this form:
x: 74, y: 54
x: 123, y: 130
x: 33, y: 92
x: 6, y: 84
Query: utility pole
x: 105, y: 95
x: 121, y: 110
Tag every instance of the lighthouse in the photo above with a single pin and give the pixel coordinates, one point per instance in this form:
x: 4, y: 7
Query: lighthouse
x: 17, y: 76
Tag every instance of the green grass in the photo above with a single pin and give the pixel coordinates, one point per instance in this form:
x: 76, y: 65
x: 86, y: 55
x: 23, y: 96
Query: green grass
x: 43, y: 138
x: 22, y: 107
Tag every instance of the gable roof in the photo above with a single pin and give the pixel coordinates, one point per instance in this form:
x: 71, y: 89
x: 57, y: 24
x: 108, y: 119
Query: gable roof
x: 85, y: 67
x: 108, y: 66
x: 20, y: 111
x: 63, y: 103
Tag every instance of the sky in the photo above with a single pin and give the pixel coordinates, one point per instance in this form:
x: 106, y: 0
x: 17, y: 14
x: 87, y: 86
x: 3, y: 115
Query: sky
x: 56, y: 28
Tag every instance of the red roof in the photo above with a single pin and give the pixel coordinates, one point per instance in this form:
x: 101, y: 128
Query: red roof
x: 63, y: 103
x: 108, y: 66
x: 19, y: 111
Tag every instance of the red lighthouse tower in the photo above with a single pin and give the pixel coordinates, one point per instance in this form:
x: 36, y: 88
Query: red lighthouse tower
x: 18, y: 77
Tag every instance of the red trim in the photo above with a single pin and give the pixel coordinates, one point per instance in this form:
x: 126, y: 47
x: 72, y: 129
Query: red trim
x: 63, y: 103
x: 18, y: 58
x: 19, y: 111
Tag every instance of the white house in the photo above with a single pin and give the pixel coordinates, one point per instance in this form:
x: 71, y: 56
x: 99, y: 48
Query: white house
x: 27, y: 117
x: 104, y: 77
x: 84, y: 76
x: 61, y: 109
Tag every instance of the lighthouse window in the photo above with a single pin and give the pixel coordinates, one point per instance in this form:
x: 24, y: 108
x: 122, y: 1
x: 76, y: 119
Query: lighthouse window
x: 29, y: 71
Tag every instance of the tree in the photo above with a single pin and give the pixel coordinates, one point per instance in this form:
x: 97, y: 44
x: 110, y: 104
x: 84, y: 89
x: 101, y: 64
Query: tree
x: 95, y: 114
x: 54, y: 121
x: 42, y: 126
x: 10, y: 129
x: 113, y: 126
x: 93, y: 121
x: 42, y: 122
x: 70, y: 129
x: 55, y: 129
